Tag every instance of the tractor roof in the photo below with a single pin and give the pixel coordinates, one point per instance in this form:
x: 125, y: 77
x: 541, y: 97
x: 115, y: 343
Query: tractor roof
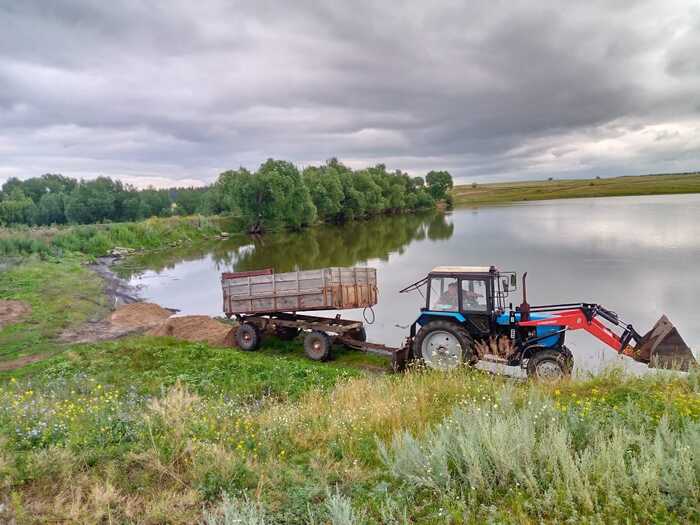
x: 463, y: 269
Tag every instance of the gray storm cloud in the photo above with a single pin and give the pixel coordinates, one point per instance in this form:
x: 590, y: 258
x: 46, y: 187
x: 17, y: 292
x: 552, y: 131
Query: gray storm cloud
x: 175, y: 92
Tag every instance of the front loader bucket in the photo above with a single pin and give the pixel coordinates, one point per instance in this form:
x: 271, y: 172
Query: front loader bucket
x: 663, y: 347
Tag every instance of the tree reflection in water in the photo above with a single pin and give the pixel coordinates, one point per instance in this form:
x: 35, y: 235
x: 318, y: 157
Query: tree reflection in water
x: 318, y: 247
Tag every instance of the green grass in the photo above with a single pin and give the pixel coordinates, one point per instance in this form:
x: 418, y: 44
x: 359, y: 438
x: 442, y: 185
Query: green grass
x: 81, y: 442
x: 150, y: 364
x: 99, y: 239
x: 500, y: 193
x: 62, y: 293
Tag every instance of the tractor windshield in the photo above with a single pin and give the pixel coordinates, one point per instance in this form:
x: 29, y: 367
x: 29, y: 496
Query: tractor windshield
x: 474, y: 295
x: 443, y: 294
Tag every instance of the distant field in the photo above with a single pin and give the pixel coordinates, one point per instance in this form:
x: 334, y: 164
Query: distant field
x: 567, y: 189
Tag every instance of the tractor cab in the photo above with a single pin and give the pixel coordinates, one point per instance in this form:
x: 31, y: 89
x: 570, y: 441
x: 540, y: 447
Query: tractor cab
x: 473, y: 290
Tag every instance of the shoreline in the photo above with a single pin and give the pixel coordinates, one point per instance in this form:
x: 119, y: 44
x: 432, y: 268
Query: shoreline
x: 117, y: 290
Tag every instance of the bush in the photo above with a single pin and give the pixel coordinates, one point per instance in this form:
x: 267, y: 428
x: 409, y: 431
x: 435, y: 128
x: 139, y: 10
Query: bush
x: 553, y: 461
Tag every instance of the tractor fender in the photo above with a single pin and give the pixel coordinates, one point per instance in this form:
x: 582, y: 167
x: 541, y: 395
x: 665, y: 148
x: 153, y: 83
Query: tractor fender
x: 427, y: 316
x: 529, y: 351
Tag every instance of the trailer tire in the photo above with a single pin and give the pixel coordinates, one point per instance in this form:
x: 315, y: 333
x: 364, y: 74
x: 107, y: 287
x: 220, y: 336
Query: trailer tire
x: 286, y: 333
x: 550, y: 365
x: 248, y: 337
x: 443, y: 345
x: 317, y: 346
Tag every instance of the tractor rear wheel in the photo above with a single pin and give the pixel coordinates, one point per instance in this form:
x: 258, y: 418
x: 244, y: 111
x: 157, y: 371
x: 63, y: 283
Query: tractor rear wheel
x: 317, y: 346
x: 443, y: 345
x: 550, y: 365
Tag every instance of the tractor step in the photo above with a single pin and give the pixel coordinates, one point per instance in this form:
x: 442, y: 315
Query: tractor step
x: 492, y: 358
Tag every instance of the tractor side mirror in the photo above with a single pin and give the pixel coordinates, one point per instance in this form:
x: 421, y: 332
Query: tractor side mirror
x: 505, y: 285
x: 513, y: 280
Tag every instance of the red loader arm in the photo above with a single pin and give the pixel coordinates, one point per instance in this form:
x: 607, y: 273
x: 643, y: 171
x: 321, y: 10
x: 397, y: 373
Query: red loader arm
x: 661, y: 347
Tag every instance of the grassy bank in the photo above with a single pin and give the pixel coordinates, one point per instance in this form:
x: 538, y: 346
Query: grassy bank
x: 331, y: 447
x: 565, y: 189
x: 61, y: 293
x: 151, y: 430
x: 99, y: 239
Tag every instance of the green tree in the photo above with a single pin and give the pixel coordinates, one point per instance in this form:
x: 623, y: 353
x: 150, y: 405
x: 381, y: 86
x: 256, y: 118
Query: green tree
x: 17, y: 208
x: 439, y: 183
x: 91, y: 201
x: 274, y: 195
x: 188, y: 200
x: 37, y: 187
x: 51, y: 208
x: 326, y: 190
x: 156, y: 203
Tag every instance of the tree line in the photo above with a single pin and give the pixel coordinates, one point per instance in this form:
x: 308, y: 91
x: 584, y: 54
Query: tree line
x: 56, y: 199
x: 277, y: 194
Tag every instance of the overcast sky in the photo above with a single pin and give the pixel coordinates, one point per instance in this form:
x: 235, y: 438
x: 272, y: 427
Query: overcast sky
x: 175, y: 92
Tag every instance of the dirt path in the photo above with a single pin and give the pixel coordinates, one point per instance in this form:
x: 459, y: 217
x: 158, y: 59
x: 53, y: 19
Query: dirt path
x: 20, y: 362
x: 127, y: 319
x: 12, y: 311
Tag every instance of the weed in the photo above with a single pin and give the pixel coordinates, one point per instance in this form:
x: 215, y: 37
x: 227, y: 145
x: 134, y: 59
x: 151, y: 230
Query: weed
x: 232, y: 511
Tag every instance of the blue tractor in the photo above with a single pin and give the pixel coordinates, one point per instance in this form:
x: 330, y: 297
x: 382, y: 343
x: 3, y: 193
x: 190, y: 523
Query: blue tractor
x: 466, y: 320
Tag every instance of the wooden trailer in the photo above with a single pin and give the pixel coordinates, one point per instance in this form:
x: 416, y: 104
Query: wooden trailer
x: 266, y: 302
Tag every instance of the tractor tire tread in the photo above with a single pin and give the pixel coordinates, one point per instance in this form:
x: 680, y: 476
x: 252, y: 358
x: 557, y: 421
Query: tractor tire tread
x: 562, y: 357
x: 250, y: 344
x: 463, y: 336
x: 323, y: 352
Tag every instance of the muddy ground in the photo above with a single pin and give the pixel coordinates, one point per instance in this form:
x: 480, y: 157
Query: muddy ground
x: 118, y: 291
x: 12, y: 311
x: 131, y: 316
x: 151, y: 319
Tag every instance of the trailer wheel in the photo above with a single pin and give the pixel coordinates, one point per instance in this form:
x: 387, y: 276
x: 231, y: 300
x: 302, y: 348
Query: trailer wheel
x: 248, y: 337
x: 550, y: 365
x: 443, y: 345
x: 317, y: 346
x: 286, y: 333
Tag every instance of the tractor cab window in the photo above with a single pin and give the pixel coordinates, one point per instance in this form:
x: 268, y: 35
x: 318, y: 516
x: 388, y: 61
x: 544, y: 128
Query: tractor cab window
x: 443, y: 294
x: 474, y: 295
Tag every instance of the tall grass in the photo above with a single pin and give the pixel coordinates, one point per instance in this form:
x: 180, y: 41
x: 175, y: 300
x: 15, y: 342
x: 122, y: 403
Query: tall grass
x: 17, y: 246
x: 417, y: 448
x: 99, y: 239
x: 552, y: 464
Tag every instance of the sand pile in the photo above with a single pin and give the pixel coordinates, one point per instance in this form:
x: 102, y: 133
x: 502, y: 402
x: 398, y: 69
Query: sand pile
x: 153, y: 320
x: 13, y: 311
x: 196, y: 328
x: 137, y: 316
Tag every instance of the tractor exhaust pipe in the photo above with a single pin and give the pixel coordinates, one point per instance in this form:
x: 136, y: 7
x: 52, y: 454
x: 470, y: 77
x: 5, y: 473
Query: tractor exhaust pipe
x: 524, y: 306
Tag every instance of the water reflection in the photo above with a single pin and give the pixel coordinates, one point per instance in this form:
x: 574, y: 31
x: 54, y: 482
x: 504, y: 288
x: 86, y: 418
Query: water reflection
x: 636, y: 255
x: 347, y: 245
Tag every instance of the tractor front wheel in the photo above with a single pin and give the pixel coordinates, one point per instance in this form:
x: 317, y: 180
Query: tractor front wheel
x: 550, y: 365
x: 443, y: 345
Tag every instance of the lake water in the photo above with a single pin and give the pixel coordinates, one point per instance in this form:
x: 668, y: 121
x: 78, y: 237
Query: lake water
x: 638, y: 256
